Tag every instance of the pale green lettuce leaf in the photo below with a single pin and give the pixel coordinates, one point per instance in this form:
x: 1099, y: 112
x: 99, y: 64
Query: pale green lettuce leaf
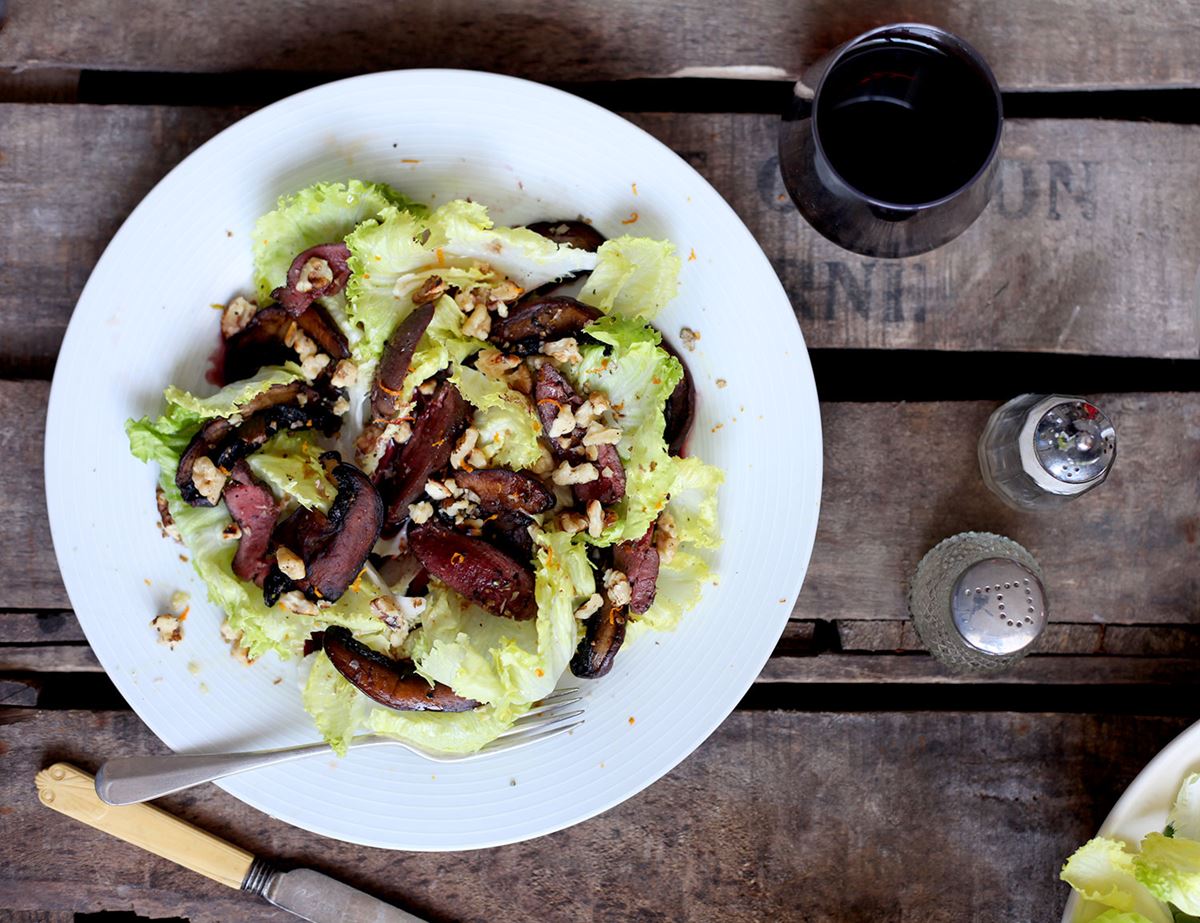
x: 226, y: 401
x: 1102, y: 870
x: 693, y: 501
x: 1170, y: 868
x: 1117, y: 916
x: 336, y: 707
x: 465, y: 234
x: 290, y: 465
x: 441, y: 346
x: 501, y: 661
x: 680, y: 585
x: 319, y: 214
x: 449, y: 732
x: 634, y: 277
x: 507, y: 424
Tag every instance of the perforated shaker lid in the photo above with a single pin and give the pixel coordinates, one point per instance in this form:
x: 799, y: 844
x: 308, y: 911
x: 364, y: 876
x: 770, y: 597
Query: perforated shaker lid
x: 998, y: 606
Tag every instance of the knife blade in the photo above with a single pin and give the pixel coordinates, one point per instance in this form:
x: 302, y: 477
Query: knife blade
x: 321, y: 899
x: 303, y: 892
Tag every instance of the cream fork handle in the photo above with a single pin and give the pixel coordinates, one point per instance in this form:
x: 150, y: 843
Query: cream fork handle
x: 72, y: 792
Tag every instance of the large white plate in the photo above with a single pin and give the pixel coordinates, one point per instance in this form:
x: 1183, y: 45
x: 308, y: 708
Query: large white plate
x: 530, y: 153
x: 1144, y: 806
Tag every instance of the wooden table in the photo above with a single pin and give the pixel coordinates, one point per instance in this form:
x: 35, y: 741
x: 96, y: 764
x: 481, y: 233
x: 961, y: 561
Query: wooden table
x: 858, y: 780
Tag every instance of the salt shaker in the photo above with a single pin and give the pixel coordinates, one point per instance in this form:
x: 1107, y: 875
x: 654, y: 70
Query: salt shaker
x: 977, y: 602
x: 1040, y: 450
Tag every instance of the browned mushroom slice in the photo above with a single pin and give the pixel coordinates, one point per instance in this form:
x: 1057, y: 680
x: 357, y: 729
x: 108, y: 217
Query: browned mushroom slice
x: 552, y: 392
x: 577, y: 234
x: 394, y: 683
x: 471, y: 567
x: 542, y: 320
x: 396, y: 359
x: 262, y: 341
x: 254, y: 508
x: 605, y: 634
x: 610, y: 486
x: 680, y: 409
x: 638, y: 560
x: 318, y: 271
x: 334, y: 548
x: 509, y: 531
x: 435, y: 431
x: 500, y: 490
x: 223, y: 443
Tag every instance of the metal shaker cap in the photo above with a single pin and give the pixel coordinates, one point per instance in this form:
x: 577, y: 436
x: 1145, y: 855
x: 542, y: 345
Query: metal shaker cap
x: 998, y: 606
x: 1067, y: 445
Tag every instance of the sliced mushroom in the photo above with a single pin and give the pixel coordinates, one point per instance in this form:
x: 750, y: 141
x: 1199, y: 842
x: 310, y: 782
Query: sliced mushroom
x: 224, y: 443
x: 299, y: 292
x: 552, y: 391
x: 680, y: 409
x: 500, y: 490
x: 605, y: 634
x: 509, y: 531
x: 254, y: 508
x: 334, y: 548
x: 261, y: 342
x: 534, y: 323
x: 471, y: 567
x: 402, y: 475
x: 394, y: 683
x: 638, y: 560
x: 577, y: 234
x: 396, y: 359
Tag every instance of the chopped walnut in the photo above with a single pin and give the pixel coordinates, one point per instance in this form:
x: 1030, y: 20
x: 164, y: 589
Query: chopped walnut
x: 344, y: 375
x: 599, y: 434
x: 314, y: 365
x: 239, y: 652
x: 494, y: 364
x: 294, y: 601
x: 521, y: 379
x: 452, y: 486
x: 238, y: 313
x: 427, y: 387
x: 438, y: 490
x: 231, y: 532
x: 595, y: 518
x: 208, y: 479
x: 565, y: 350
x: 666, y: 537
x: 690, y: 337
x: 617, y: 585
x: 589, y: 608
x: 478, y: 324
x: 169, y: 628
x: 316, y: 273
x: 431, y: 289
x: 544, y: 463
x: 592, y: 452
x: 166, y: 522
x: 465, y: 444
x: 565, y: 475
x: 572, y: 522
x: 290, y: 563
x: 420, y: 512
x: 340, y: 406
x: 477, y: 459
x: 564, y: 422
x: 505, y: 291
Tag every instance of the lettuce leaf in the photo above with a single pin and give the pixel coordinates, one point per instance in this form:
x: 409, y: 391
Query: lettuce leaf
x: 680, y: 586
x: 1117, y: 916
x: 1102, y: 870
x: 507, y: 424
x: 319, y: 214
x: 449, y: 732
x: 336, y: 707
x: 1170, y: 868
x: 693, y: 501
x: 634, y: 277
x: 290, y: 465
x: 442, y: 344
x: 500, y: 661
x: 1184, y: 818
x: 464, y: 233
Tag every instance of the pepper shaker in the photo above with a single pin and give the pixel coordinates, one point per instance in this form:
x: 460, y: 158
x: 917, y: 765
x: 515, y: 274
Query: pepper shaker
x: 1040, y: 450
x: 977, y: 602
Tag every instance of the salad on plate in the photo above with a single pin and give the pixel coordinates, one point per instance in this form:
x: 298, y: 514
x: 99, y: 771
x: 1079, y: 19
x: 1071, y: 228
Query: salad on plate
x: 445, y: 462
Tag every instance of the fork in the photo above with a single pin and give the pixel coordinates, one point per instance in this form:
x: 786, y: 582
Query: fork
x: 130, y: 780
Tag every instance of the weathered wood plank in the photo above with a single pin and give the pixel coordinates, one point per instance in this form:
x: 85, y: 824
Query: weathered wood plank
x: 48, y: 658
x: 913, y: 482
x: 1031, y: 45
x: 1035, y: 670
x: 39, y: 628
x: 768, y: 820
x: 1088, y: 248
x: 15, y: 693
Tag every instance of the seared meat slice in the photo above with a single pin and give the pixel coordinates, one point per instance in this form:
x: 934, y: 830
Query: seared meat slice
x: 471, y: 567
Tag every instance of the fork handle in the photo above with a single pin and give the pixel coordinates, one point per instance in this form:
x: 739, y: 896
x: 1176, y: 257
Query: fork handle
x: 71, y: 791
x: 141, y: 778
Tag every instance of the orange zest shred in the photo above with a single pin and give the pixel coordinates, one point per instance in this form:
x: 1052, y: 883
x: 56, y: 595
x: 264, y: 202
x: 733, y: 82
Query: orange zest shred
x: 386, y: 390
x: 633, y: 217
x: 692, y: 255
x: 457, y: 558
x: 409, y: 160
x: 184, y: 614
x: 441, y: 257
x: 635, y: 188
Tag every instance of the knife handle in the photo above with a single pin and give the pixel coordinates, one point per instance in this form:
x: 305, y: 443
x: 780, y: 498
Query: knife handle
x: 72, y: 792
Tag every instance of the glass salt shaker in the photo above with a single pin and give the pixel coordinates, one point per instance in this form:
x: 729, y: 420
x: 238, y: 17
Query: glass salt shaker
x: 1040, y: 450
x: 977, y: 602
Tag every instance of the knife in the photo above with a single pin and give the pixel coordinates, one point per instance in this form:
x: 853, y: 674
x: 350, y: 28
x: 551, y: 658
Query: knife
x: 308, y: 894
